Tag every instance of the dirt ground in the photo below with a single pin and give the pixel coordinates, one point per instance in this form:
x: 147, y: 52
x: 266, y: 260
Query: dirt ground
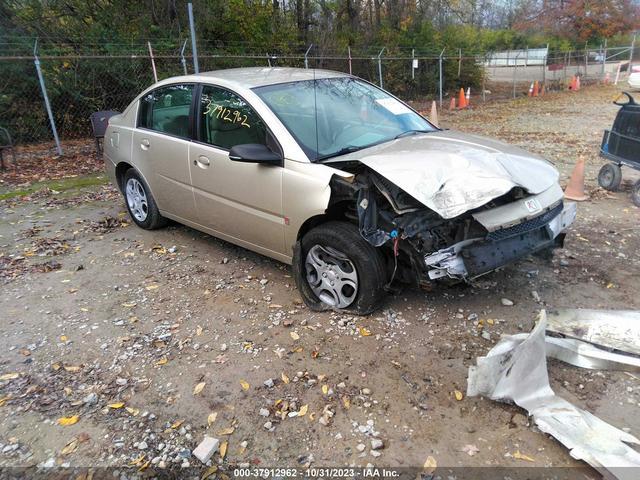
x: 150, y: 340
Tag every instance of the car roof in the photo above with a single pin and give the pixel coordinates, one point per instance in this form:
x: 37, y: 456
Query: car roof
x: 259, y: 76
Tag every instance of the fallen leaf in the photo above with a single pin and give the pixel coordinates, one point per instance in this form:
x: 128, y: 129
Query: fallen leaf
x: 132, y: 411
x: 346, y: 401
x: 199, y: 330
x: 137, y: 461
x: 198, y: 388
x: 116, y: 405
x: 66, y: 421
x: 430, y: 465
x: 63, y: 338
x: 129, y: 305
x: 145, y: 465
x: 4, y: 400
x: 245, y: 386
x: 9, y: 376
x: 364, y: 331
x: 303, y: 410
x: 159, y: 249
x: 177, y: 424
x: 226, y: 431
x: 521, y: 456
x: 162, y: 361
x: 325, y: 389
x: 212, y: 418
x: 210, y: 471
x: 72, y: 368
x: 223, y: 449
x: 285, y: 379
x: 458, y: 394
x: 70, y: 447
x: 151, y: 287
x: 25, y: 351
x: 294, y: 335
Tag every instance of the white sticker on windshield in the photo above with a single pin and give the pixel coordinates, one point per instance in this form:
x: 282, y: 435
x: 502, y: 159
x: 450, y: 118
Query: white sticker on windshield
x: 393, y: 105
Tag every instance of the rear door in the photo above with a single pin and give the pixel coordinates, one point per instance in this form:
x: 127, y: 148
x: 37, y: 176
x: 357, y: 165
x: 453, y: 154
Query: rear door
x: 161, y: 147
x: 239, y: 200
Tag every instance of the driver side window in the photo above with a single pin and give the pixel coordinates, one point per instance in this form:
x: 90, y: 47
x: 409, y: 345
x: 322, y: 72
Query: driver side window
x: 226, y: 120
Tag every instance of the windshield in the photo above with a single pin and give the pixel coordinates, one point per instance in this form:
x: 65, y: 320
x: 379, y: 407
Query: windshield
x: 339, y: 115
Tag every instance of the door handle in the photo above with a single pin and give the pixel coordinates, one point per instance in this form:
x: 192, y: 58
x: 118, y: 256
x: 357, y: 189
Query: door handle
x: 203, y: 161
x: 144, y: 144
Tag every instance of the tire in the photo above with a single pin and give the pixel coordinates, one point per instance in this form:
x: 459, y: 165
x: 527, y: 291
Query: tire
x: 610, y: 176
x: 140, y: 203
x: 346, y: 256
x: 635, y: 193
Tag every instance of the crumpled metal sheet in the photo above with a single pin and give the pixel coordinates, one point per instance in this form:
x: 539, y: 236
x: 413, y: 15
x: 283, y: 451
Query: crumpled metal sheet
x: 585, y: 355
x: 516, y: 370
x: 618, y: 329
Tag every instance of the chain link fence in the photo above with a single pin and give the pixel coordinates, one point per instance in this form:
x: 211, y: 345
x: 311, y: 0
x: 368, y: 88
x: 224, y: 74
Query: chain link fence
x: 78, y: 85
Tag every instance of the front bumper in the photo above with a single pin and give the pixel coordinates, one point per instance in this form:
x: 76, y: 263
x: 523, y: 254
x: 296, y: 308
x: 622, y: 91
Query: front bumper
x: 474, y: 257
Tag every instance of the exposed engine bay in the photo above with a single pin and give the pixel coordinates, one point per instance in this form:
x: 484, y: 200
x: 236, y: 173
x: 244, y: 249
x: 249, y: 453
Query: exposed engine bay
x: 421, y: 246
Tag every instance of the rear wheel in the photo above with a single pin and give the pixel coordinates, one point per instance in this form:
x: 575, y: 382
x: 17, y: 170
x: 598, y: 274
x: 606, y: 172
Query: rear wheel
x: 635, y: 193
x: 335, y: 268
x: 140, y: 203
x: 610, y: 176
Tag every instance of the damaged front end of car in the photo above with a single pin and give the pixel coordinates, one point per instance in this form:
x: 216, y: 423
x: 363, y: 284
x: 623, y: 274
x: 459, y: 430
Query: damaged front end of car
x: 422, y: 245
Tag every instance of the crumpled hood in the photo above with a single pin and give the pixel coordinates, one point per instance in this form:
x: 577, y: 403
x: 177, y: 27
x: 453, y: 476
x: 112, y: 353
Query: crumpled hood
x: 451, y: 172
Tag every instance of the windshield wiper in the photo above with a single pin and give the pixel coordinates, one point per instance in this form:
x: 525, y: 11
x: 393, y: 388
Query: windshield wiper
x: 342, y: 151
x: 411, y: 132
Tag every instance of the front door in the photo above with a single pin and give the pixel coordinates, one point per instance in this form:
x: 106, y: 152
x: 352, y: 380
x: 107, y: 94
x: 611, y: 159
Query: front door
x: 161, y: 148
x: 239, y: 200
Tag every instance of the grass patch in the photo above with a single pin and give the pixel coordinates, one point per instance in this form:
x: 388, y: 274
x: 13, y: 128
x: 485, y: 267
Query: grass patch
x: 60, y: 185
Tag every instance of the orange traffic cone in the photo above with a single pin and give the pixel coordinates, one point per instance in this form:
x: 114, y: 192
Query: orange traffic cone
x: 452, y: 104
x: 536, y: 88
x: 461, y: 99
x: 468, y: 97
x: 434, y: 114
x: 531, y: 90
x: 575, y: 187
x: 572, y: 84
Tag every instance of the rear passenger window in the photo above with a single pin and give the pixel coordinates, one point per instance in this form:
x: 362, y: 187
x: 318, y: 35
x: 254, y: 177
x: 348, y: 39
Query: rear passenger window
x: 166, y: 110
x: 226, y: 120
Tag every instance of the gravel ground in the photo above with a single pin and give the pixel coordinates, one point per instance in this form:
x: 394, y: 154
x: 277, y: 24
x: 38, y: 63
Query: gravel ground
x: 124, y: 348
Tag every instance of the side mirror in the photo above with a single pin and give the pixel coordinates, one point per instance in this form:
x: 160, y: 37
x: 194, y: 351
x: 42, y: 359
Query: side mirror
x: 254, y: 153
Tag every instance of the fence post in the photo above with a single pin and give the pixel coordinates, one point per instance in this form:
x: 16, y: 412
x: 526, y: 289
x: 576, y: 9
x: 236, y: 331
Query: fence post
x: 440, y: 75
x: 633, y: 46
x: 47, y: 105
x: 380, y: 66
x: 459, y: 62
x: 604, y: 57
x: 515, y: 69
x: 153, y: 63
x: 413, y: 69
x: 306, y: 54
x: 194, y: 48
x: 182, y: 59
x: 349, y: 49
x: 544, y: 65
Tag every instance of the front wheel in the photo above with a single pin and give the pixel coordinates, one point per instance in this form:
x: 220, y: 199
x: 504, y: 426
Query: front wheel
x: 335, y: 268
x: 610, y: 176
